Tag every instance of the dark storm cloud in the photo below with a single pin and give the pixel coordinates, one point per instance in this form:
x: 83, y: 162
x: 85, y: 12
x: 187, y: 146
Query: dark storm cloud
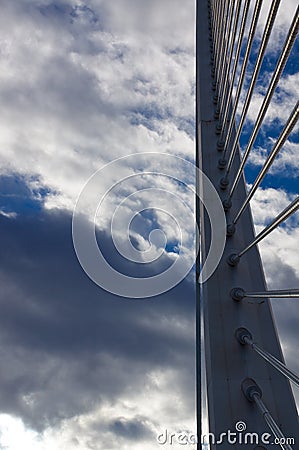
x: 66, y: 343
x: 130, y: 429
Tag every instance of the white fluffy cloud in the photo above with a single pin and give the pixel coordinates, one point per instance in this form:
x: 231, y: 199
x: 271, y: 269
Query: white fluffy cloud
x: 287, y: 161
x: 81, y: 87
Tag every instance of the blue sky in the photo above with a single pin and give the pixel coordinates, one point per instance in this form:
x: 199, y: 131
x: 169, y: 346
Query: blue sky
x: 272, y: 128
x: 84, y: 83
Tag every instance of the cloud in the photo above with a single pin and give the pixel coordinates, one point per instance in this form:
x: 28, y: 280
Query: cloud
x: 82, y: 85
x: 71, y: 350
x: 80, y: 89
x: 268, y: 203
x: 286, y: 162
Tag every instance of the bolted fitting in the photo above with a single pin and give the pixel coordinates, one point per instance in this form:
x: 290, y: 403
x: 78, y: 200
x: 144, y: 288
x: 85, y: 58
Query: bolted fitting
x: 242, y: 333
x: 250, y: 389
x: 222, y: 163
x: 220, y: 146
x: 216, y: 116
x: 215, y: 99
x: 231, y: 228
x: 233, y: 259
x: 218, y: 127
x: 237, y: 294
x: 224, y: 182
x: 227, y: 204
x: 214, y: 85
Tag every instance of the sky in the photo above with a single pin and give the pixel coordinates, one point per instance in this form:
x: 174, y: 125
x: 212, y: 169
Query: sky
x: 81, y: 85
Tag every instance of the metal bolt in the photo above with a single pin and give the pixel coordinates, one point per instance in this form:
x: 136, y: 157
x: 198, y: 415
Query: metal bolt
x: 250, y: 389
x: 224, y: 182
x: 233, y: 259
x: 242, y: 333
